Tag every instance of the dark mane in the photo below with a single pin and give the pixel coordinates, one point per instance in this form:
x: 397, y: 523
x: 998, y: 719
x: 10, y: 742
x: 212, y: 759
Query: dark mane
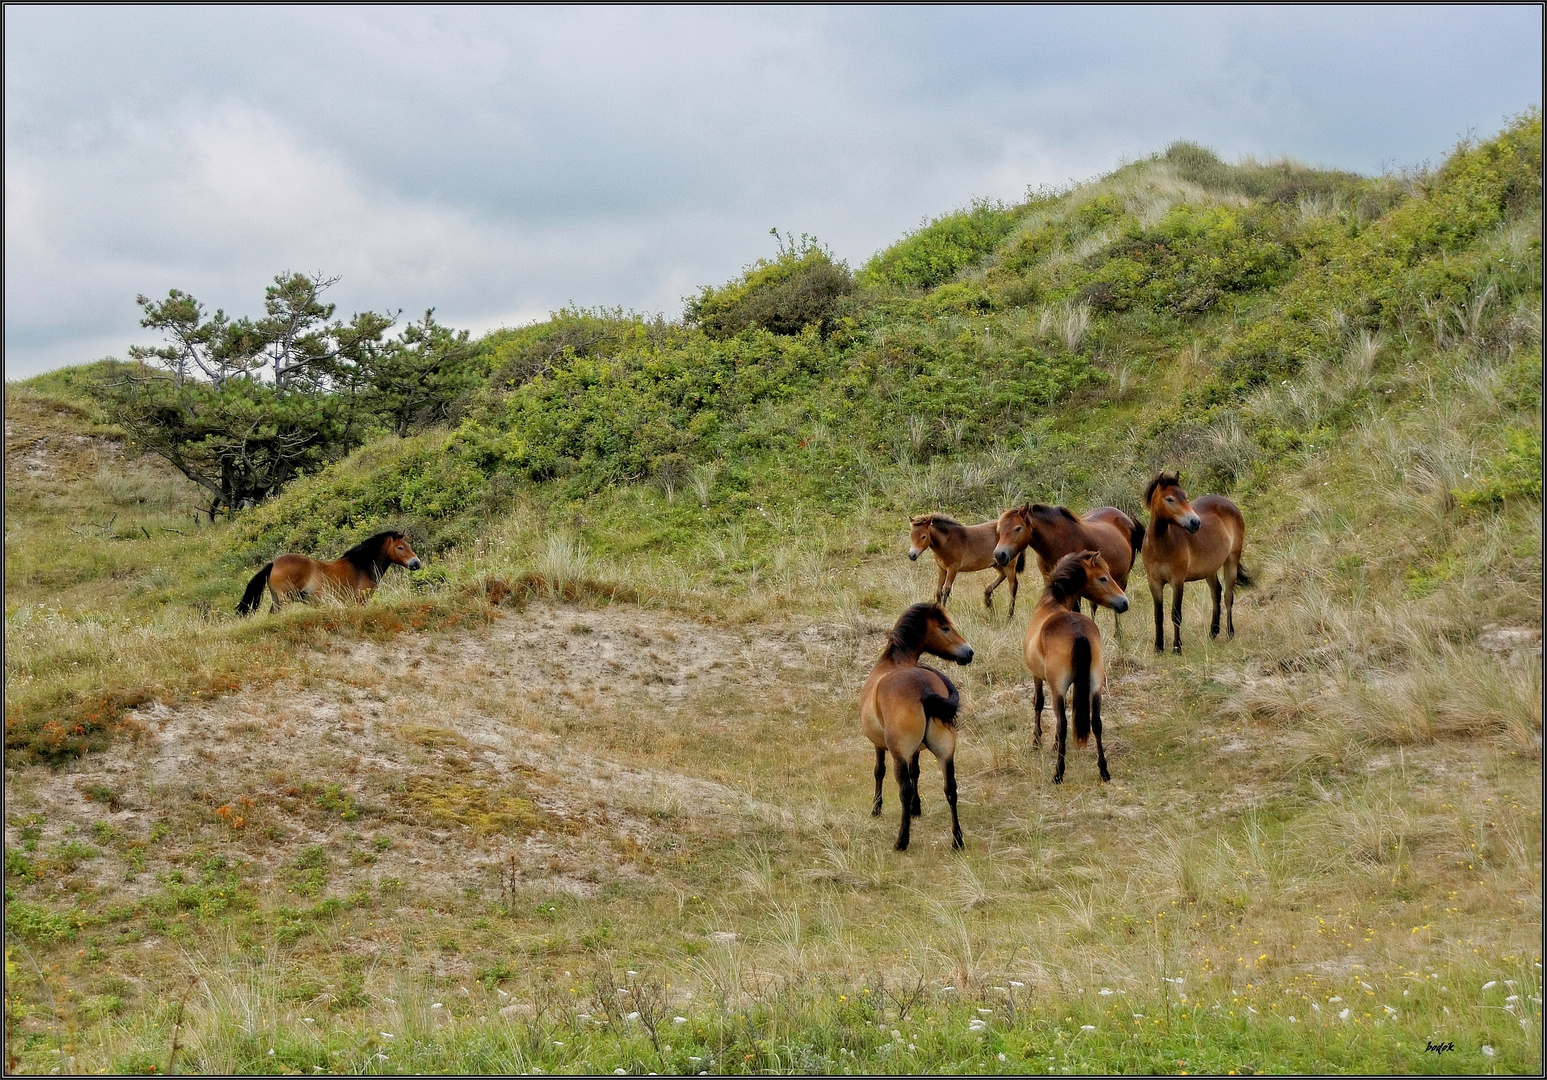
x: 1043, y: 510
x: 367, y: 554
x: 1166, y: 479
x: 908, y: 634
x: 1069, y: 576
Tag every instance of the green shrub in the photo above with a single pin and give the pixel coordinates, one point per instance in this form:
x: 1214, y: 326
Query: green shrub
x: 802, y: 287
x: 941, y: 248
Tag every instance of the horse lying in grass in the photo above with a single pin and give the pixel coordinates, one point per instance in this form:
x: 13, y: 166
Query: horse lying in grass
x: 1191, y: 541
x: 1063, y: 648
x: 354, y: 575
x: 905, y: 705
x: 959, y: 549
x: 1053, y: 532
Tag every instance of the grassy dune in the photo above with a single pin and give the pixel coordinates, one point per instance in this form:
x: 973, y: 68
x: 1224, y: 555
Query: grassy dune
x: 586, y: 793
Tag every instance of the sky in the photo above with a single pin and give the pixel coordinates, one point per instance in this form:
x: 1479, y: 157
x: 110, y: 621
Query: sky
x: 499, y: 163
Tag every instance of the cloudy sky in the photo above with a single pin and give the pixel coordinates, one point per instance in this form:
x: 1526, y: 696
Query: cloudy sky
x: 500, y: 163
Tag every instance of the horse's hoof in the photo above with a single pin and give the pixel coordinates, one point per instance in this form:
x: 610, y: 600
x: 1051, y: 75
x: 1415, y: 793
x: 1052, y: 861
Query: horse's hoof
x: 900, y: 846
x: 1059, y: 779
x: 876, y: 812
x: 1106, y: 777
x: 956, y: 842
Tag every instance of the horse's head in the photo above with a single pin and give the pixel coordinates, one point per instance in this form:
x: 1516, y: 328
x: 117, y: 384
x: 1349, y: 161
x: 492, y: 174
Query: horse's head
x: 918, y: 535
x: 1012, y: 534
x: 1168, y: 503
x: 926, y: 628
x: 1086, y: 573
x: 397, y: 551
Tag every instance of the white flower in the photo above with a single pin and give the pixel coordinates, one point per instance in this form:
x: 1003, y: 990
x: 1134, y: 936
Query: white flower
x: 1003, y: 1058
x: 1104, y: 992
x: 1087, y: 1027
x: 389, y: 1001
x: 307, y: 1020
x: 975, y: 1024
x: 388, y: 1035
x: 1017, y: 985
x: 986, y: 1012
x: 1366, y: 985
x: 679, y: 1019
x: 624, y: 990
x: 620, y: 1072
x: 1490, y: 984
x: 1343, y: 1015
x: 500, y: 992
x: 1165, y: 979
x: 557, y: 1043
x: 437, y: 1005
x: 632, y: 1016
x: 381, y: 1057
x: 896, y: 1034
x: 1487, y: 1050
x: 1333, y: 1000
x: 947, y: 989
x: 1292, y: 1020
x: 1389, y: 1010
x: 1316, y: 1006
x: 631, y: 973
x: 1251, y: 1010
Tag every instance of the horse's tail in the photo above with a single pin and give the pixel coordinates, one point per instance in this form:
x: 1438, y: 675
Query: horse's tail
x: 1020, y: 564
x: 1242, y: 577
x: 254, y: 593
x: 940, y: 708
x: 1081, y: 689
x: 1136, y: 536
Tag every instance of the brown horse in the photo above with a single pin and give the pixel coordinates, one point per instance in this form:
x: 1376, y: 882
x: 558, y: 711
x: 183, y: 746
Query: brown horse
x: 961, y: 548
x: 1191, y: 542
x: 355, y: 574
x: 905, y: 705
x: 1053, y: 532
x: 1063, y: 648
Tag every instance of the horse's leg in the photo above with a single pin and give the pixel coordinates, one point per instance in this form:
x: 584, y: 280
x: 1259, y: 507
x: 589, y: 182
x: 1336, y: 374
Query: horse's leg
x: 913, y: 781
x: 1095, y: 725
x: 1214, y: 590
x: 988, y: 593
x: 1176, y: 613
x: 875, y: 809
x: 1231, y: 570
x: 949, y: 767
x: 1058, y: 712
x: 1037, y: 709
x: 1015, y: 587
x: 940, y: 589
x: 904, y: 778
x: 950, y: 579
x: 1159, y: 596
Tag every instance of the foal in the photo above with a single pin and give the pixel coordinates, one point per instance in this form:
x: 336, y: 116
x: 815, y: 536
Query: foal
x: 1053, y: 532
x: 355, y: 574
x: 959, y: 548
x: 905, y: 705
x: 1063, y: 648
x: 1191, y: 542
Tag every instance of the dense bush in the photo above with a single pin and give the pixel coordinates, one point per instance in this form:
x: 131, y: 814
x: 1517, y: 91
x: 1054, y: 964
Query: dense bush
x: 802, y: 287
x: 937, y: 251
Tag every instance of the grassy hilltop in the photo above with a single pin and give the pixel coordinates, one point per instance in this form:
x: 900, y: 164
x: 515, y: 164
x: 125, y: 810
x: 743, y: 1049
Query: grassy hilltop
x: 599, y: 757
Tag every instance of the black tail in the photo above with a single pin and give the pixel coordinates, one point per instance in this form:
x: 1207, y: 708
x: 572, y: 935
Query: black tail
x: 1020, y: 562
x: 1081, y: 690
x: 1136, y: 536
x: 1241, y: 577
x: 254, y: 593
x: 940, y: 708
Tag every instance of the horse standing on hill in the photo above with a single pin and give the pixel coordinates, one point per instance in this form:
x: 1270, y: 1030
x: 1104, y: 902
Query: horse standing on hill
x: 354, y: 575
x: 1063, y: 648
x: 961, y: 548
x: 1053, y: 532
x: 905, y: 705
x: 1191, y: 541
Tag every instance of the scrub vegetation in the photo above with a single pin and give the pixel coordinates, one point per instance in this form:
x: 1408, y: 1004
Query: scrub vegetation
x: 586, y: 793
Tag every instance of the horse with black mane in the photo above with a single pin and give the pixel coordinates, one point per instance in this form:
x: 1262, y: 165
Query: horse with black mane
x: 1053, y: 532
x: 354, y: 575
x: 1191, y: 541
x: 961, y: 548
x: 905, y: 705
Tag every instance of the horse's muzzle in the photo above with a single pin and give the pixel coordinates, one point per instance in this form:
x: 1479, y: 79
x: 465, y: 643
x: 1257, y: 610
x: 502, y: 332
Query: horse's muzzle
x: 913, y: 553
x: 963, y: 655
x: 1194, y: 523
x: 1001, y: 556
x: 1120, y: 604
x: 414, y: 564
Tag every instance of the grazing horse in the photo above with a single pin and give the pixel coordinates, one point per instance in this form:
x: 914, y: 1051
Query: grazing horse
x: 1063, y: 649
x: 355, y: 574
x: 1191, y: 542
x: 1053, y: 532
x: 905, y: 705
x: 959, y: 548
